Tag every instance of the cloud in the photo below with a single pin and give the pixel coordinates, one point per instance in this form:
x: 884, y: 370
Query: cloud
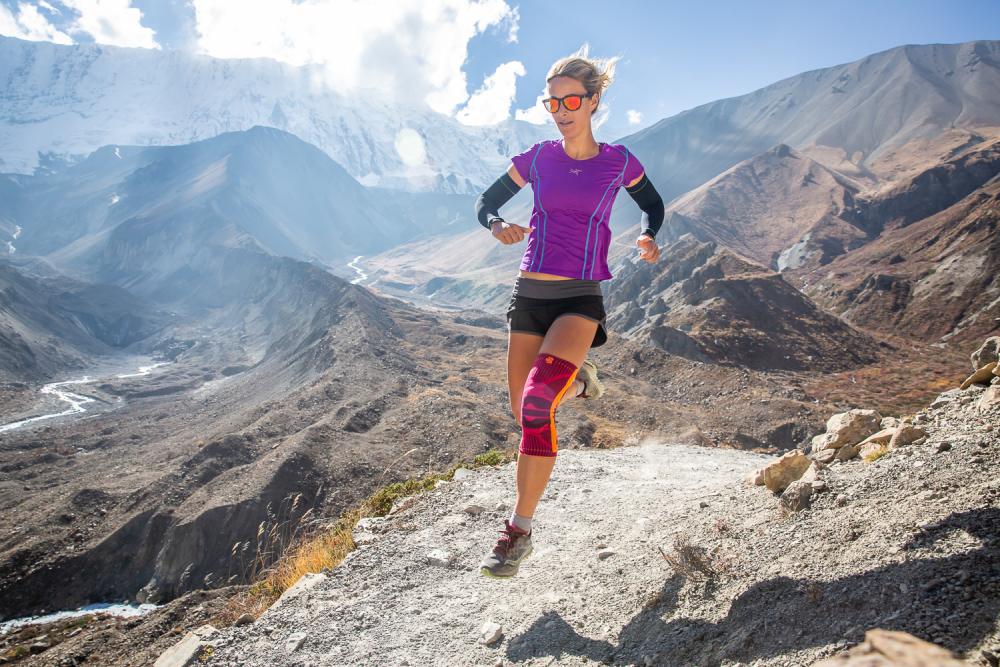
x: 29, y: 24
x: 113, y: 22
x: 491, y: 104
x: 407, y: 50
x: 634, y: 117
x: 536, y: 113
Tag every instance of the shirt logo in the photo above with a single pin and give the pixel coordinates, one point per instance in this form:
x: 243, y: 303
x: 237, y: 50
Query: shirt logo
x: 576, y: 172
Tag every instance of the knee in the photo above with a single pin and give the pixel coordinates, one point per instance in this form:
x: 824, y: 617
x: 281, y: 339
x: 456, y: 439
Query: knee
x: 548, y: 380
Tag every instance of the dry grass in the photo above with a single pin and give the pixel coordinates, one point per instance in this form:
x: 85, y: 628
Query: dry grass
x: 296, y: 546
x: 691, y: 560
x: 877, y: 454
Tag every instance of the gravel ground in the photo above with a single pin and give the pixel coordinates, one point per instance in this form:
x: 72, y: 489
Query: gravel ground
x: 908, y: 542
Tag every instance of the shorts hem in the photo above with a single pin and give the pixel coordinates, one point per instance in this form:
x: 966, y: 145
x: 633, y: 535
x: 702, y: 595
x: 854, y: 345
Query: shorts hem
x: 526, y: 331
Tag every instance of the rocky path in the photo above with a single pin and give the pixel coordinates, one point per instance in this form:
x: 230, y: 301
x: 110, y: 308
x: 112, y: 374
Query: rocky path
x: 413, y: 594
x: 908, y: 541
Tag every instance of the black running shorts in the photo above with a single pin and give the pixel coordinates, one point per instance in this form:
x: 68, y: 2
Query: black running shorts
x: 535, y: 314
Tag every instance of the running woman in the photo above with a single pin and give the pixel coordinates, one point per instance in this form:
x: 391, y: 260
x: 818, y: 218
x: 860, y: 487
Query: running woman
x: 556, y: 312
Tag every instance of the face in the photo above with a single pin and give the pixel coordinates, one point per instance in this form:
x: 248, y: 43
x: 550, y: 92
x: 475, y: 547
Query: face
x: 572, y: 123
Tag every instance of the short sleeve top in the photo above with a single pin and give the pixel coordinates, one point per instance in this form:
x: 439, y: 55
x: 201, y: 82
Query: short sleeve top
x: 572, y: 206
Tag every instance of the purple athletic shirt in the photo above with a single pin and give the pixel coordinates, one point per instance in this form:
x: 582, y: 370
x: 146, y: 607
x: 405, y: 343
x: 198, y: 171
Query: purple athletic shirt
x: 573, y: 201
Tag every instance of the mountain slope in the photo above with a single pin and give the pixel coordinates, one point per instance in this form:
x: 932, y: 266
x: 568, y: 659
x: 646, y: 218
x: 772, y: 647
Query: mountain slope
x: 704, y: 302
x: 779, y: 208
x: 287, y: 195
x: 858, y: 110
x: 50, y: 323
x: 936, y: 278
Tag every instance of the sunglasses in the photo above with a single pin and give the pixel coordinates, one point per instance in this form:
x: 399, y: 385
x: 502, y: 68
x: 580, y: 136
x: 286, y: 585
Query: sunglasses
x: 571, y: 102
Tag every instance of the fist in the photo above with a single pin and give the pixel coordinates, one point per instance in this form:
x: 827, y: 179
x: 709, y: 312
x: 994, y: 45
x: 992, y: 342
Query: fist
x: 648, y: 250
x: 509, y: 232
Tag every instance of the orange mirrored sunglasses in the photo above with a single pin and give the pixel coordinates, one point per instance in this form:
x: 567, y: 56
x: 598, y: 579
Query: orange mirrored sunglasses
x: 571, y: 102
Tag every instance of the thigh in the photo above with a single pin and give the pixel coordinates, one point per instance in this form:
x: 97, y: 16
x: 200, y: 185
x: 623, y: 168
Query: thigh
x: 569, y: 338
x: 522, y: 348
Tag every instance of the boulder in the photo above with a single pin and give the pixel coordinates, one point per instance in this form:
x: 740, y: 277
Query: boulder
x: 850, y: 428
x: 944, y: 398
x: 987, y: 352
x: 825, y: 455
x: 889, y: 648
x: 906, y: 435
x: 982, y: 376
x: 846, y: 453
x: 881, y: 438
x: 812, y: 472
x: 784, y: 471
x: 889, y: 422
x: 796, y: 497
x: 990, y: 398
x: 821, y: 442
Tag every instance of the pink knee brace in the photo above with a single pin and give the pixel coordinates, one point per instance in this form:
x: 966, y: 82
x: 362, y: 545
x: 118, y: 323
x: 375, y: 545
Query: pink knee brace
x: 549, y: 378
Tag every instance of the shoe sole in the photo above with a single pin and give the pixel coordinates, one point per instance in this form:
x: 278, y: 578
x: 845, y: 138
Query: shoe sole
x: 486, y: 572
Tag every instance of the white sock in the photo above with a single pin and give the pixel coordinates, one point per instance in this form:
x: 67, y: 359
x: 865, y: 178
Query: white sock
x: 579, y: 386
x: 522, y: 522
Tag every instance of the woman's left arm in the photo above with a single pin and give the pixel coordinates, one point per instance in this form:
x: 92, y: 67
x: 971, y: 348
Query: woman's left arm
x: 649, y: 200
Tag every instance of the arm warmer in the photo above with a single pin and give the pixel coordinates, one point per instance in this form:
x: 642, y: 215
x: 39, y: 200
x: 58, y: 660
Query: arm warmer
x: 489, y: 203
x: 648, y: 199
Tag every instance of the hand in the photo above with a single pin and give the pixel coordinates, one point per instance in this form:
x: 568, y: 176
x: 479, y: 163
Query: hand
x: 649, y: 250
x: 509, y: 232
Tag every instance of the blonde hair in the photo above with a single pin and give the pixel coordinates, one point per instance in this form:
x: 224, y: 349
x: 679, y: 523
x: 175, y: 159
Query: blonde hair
x: 595, y: 74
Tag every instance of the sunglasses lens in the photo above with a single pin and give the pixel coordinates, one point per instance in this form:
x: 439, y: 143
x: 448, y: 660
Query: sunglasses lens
x: 551, y: 105
x: 573, y: 102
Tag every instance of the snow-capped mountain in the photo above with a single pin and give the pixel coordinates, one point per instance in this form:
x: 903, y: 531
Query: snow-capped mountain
x: 66, y: 101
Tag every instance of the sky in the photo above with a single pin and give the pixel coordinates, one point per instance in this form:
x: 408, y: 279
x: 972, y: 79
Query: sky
x: 485, y: 61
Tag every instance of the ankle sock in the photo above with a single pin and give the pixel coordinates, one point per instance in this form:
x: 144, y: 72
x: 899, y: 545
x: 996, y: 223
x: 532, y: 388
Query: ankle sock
x: 522, y: 522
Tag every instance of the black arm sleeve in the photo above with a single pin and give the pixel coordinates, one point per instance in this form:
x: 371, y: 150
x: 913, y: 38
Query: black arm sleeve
x: 489, y: 203
x: 648, y: 199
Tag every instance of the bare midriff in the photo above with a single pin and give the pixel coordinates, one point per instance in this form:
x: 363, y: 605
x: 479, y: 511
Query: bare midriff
x: 542, y: 276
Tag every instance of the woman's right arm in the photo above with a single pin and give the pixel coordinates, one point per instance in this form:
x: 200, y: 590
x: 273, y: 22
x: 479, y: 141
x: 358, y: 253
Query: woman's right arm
x: 489, y: 202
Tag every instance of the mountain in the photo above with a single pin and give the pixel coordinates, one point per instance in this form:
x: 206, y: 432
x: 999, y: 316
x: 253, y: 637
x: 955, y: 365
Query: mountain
x: 706, y: 303
x: 779, y: 208
x: 262, y: 187
x: 50, y: 323
x: 850, y: 114
x: 773, y: 174
x: 932, y: 270
x: 63, y: 102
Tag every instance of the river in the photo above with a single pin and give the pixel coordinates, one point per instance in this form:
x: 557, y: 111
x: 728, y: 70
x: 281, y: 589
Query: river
x: 75, y: 402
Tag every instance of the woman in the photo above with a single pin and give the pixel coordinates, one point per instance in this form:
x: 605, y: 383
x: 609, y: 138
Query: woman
x: 556, y: 313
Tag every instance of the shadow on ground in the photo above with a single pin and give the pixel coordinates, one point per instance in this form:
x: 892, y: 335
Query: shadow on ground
x: 951, y: 601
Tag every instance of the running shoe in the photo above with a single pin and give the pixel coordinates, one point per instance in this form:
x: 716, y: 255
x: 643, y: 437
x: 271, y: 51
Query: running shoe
x: 510, y: 550
x: 592, y: 387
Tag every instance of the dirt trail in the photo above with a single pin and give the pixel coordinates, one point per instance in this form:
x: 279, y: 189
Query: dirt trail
x: 387, y: 605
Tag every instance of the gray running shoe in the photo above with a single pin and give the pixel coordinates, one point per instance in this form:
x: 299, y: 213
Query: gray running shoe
x: 588, y: 375
x: 510, y: 550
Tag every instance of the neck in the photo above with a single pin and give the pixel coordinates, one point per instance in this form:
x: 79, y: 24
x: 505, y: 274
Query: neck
x: 581, y: 147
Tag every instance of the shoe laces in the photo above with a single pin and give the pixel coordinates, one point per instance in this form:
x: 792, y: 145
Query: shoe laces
x: 508, y: 535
